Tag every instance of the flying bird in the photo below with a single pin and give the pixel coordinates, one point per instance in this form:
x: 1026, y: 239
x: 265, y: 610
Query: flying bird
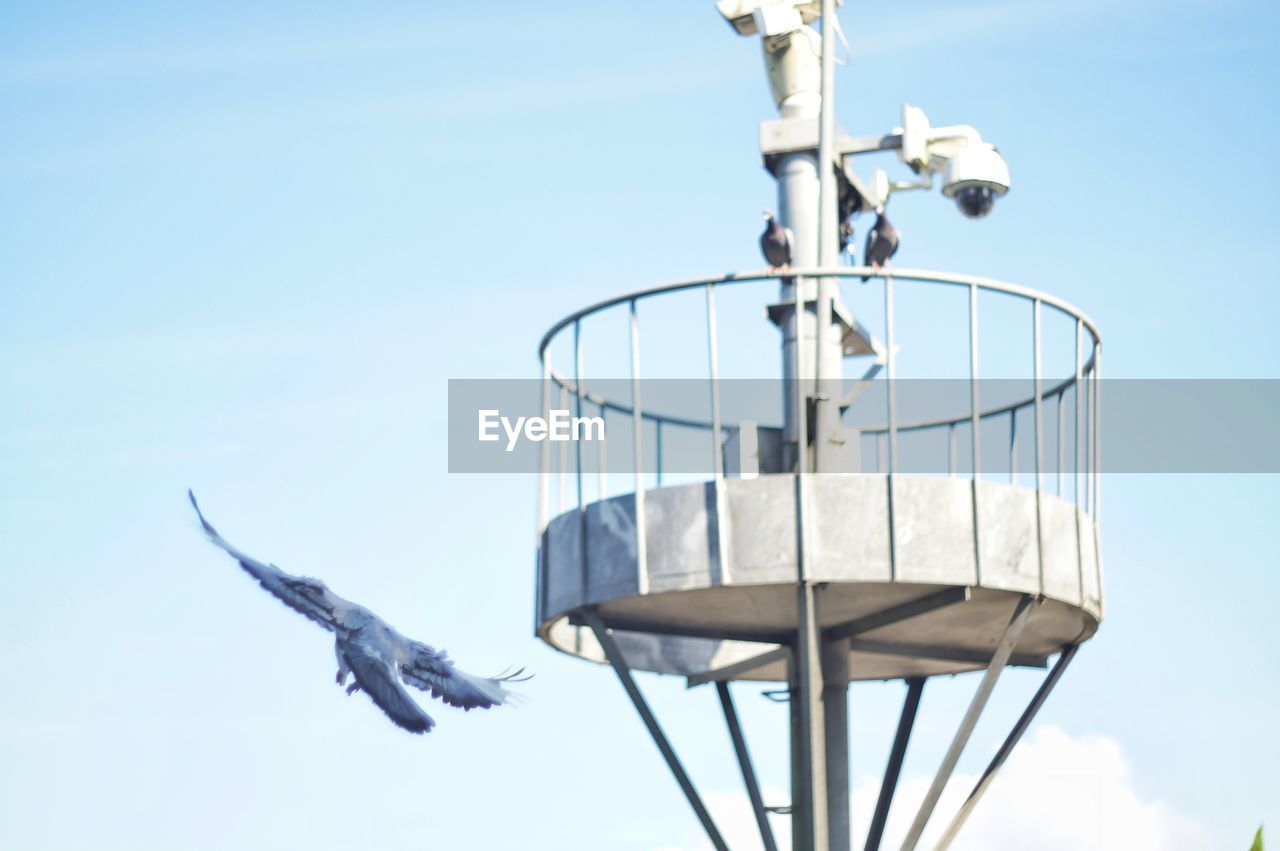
x: 775, y: 243
x: 369, y: 650
x: 882, y: 243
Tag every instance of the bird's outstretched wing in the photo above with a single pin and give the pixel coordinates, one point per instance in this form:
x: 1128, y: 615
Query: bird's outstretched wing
x: 376, y: 678
x: 432, y: 671
x: 301, y: 593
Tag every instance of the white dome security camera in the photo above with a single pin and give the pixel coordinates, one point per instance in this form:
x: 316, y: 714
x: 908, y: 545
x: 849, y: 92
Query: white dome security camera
x: 975, y: 176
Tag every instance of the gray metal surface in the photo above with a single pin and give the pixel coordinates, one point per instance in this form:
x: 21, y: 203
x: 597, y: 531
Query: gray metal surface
x: 749, y: 606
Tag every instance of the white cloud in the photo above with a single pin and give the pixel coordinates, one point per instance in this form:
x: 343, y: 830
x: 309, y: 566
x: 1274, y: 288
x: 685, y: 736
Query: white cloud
x: 1057, y: 793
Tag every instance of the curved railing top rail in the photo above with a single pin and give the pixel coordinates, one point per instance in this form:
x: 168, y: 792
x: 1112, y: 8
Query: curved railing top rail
x: 602, y: 403
x: 921, y: 275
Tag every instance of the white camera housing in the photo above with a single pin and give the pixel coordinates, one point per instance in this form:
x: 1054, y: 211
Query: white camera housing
x: 976, y: 165
x: 741, y: 14
x: 973, y: 172
x: 777, y: 19
x: 975, y: 176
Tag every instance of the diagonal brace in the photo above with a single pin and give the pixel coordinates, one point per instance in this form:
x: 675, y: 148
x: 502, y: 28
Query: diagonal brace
x: 614, y: 654
x: 915, y: 687
x: 1010, y: 743
x: 896, y: 614
x: 737, y: 669
x: 1021, y: 614
x: 744, y: 762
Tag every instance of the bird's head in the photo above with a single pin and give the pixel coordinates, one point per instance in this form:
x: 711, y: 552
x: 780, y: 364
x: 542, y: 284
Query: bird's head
x: 768, y: 214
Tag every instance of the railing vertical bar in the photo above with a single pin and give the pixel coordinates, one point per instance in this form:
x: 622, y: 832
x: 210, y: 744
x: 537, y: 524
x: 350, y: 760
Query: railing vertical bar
x: 1079, y: 411
x: 1060, y: 445
x: 1097, y: 464
x: 712, y: 347
x: 657, y: 440
x: 544, y: 494
x: 544, y: 453
x: 1097, y: 431
x: 1037, y: 358
x: 1086, y: 470
x: 577, y: 449
x: 716, y: 451
x: 975, y: 427
x: 602, y: 455
x: 1039, y: 403
x: 892, y: 414
x: 637, y: 457
x: 951, y: 450
x: 1075, y: 462
x: 890, y: 395
x: 1013, y: 445
x: 562, y: 485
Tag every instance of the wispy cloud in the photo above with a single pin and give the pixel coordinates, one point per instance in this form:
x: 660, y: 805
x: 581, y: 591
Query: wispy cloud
x: 1067, y: 793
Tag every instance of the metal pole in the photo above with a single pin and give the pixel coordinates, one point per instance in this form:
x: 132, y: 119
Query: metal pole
x: 800, y: 202
x: 827, y: 388
x: 833, y: 673
x: 623, y: 670
x: 998, y: 662
x: 744, y: 763
x: 809, y: 777
x: 915, y: 688
x: 1010, y: 743
x: 808, y: 734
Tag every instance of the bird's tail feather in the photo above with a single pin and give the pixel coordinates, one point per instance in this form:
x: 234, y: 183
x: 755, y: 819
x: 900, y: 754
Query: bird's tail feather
x: 495, y: 687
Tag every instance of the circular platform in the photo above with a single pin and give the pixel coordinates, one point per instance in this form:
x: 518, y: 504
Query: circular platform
x: 918, y: 596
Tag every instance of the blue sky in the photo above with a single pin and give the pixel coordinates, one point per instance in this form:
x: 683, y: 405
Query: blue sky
x: 245, y: 246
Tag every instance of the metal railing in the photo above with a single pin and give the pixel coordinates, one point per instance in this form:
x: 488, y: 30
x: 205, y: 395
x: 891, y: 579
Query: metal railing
x: 1083, y: 453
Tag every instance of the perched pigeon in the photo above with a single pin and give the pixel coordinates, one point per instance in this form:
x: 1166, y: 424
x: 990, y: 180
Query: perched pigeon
x: 775, y: 242
x: 371, y: 651
x: 882, y: 243
x: 850, y: 204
